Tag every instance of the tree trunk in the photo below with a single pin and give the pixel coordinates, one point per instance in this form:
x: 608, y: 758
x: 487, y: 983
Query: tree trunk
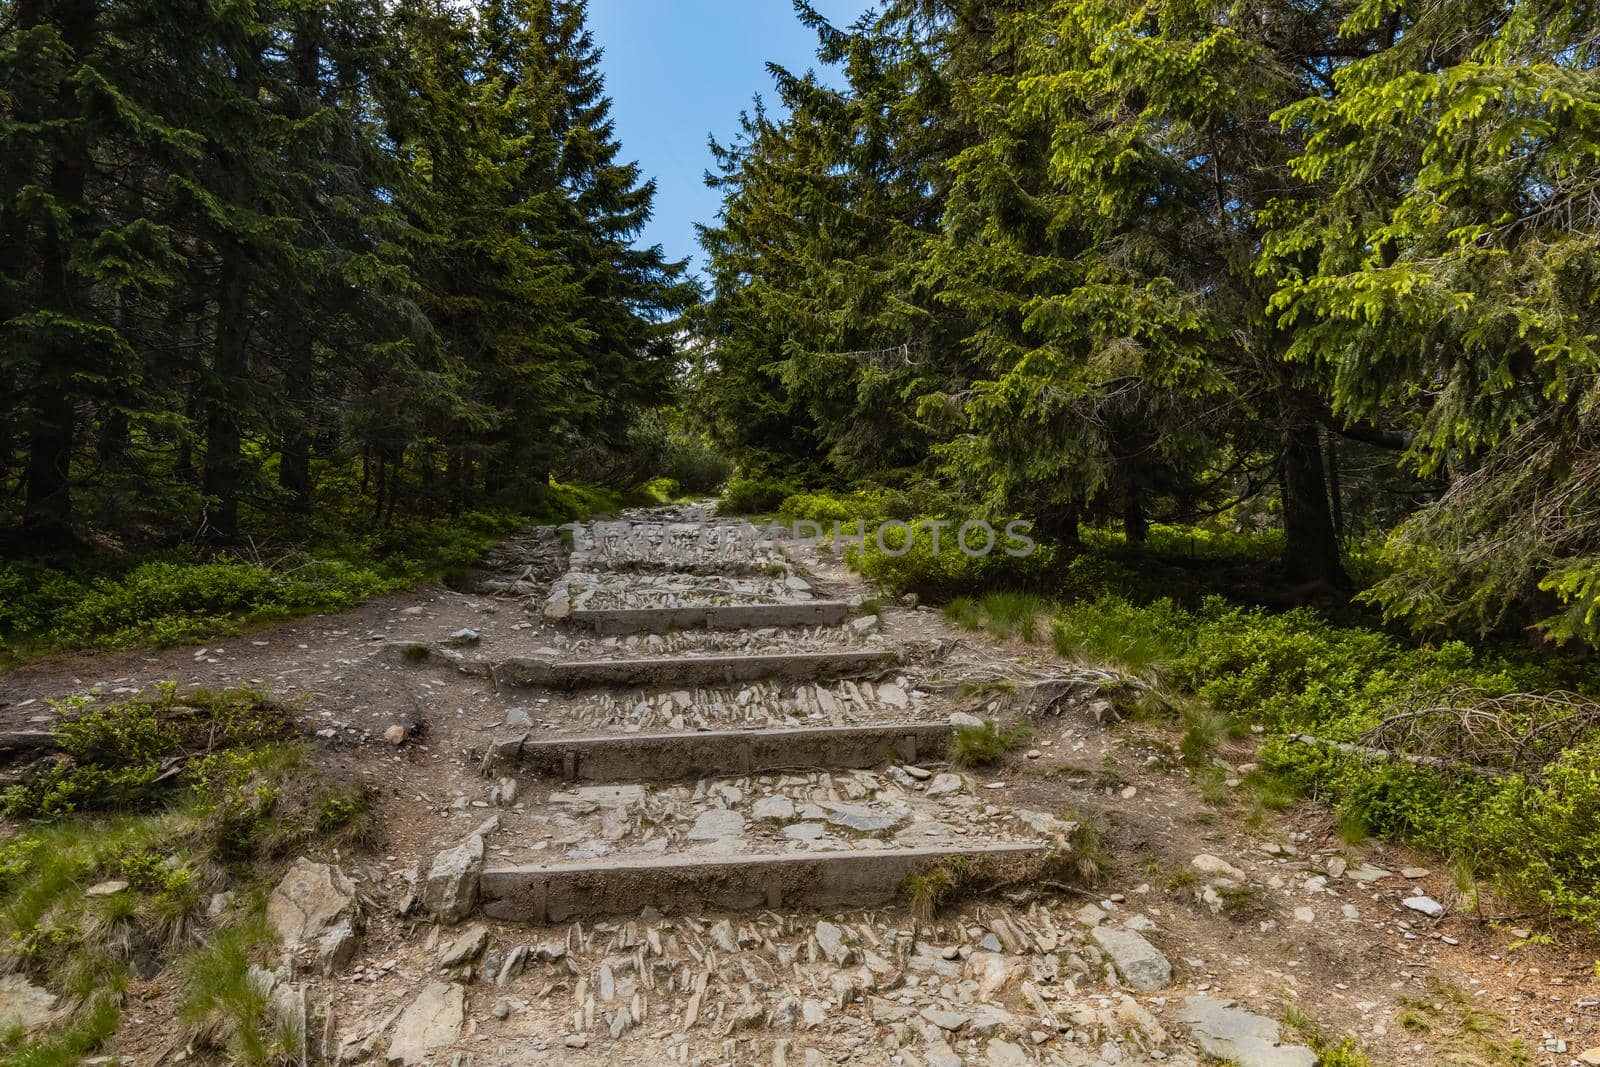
x: 228, y: 366
x: 47, y: 512
x: 224, y: 469
x: 294, y: 460
x: 17, y: 169
x: 294, y: 463
x: 1311, y: 548
x: 1059, y: 523
x: 1335, y: 488
x: 112, y: 444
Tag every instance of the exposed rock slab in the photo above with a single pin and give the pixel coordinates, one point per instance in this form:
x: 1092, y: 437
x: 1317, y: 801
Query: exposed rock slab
x: 1241, y: 1037
x: 432, y: 1020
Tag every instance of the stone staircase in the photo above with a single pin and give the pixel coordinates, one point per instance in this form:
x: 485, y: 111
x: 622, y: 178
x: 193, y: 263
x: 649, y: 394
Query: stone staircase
x: 767, y: 777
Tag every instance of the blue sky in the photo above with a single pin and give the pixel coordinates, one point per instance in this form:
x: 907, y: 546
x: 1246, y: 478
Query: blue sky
x: 677, y: 70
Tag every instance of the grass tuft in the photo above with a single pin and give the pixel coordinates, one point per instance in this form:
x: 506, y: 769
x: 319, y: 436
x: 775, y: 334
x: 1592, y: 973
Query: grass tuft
x: 226, y: 1002
x: 978, y: 745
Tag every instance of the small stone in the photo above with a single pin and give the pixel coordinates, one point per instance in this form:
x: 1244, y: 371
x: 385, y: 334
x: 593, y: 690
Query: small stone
x: 715, y: 824
x: 1426, y: 905
x: 723, y: 936
x: 1305, y: 915
x: 576, y: 1040
x: 396, y: 734
x: 964, y: 720
x: 946, y: 1020
x: 450, y: 890
x: 945, y: 784
x: 1136, y: 960
x: 518, y: 718
x: 1216, y: 867
x: 830, y: 939
x: 777, y: 808
x: 106, y: 889
x: 502, y: 1009
x: 862, y: 819
x: 466, y: 948
x: 1413, y: 873
x: 336, y: 948
x: 1002, y: 1053
x: 887, y: 1011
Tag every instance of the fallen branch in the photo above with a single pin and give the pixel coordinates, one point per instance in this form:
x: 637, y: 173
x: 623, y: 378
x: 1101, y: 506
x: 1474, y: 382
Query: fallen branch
x: 1435, y: 763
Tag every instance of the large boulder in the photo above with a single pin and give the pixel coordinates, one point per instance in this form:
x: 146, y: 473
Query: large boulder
x: 450, y: 890
x: 316, y: 904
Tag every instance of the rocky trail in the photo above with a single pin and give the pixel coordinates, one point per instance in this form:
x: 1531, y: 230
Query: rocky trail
x: 649, y: 791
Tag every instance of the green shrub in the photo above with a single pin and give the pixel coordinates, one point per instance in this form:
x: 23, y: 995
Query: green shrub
x: 905, y: 561
x: 177, y: 596
x: 828, y: 508
x: 118, y: 754
x: 753, y: 496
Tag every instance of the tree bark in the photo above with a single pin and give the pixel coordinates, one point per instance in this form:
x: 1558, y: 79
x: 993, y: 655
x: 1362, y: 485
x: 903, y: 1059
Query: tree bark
x: 294, y: 460
x: 1335, y: 487
x: 224, y: 467
x: 1135, y: 523
x: 17, y: 169
x: 228, y: 366
x: 47, y: 512
x: 1311, y: 548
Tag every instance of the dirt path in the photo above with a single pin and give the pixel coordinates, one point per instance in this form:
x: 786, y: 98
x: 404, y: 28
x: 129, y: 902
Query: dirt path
x: 1266, y: 909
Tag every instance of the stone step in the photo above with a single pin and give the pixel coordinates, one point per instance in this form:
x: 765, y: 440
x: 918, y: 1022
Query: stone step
x: 689, y: 670
x: 552, y: 893
x: 613, y: 621
x: 684, y: 754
